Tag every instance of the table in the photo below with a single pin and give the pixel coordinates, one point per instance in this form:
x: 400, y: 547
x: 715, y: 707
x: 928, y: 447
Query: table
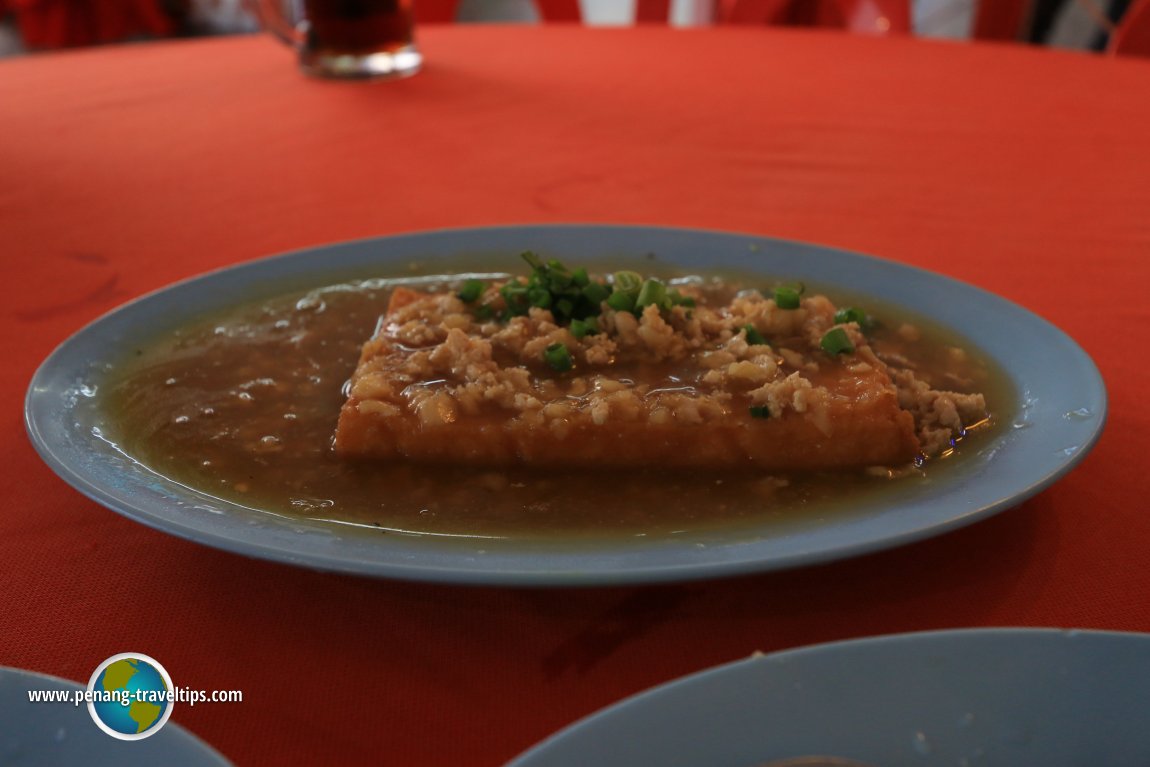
x: 123, y: 169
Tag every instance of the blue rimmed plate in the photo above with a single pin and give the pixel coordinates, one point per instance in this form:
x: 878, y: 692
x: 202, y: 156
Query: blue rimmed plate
x: 956, y: 698
x: 57, y: 734
x: 1057, y: 418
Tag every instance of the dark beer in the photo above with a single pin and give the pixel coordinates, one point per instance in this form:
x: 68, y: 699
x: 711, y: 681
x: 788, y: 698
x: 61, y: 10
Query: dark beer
x: 357, y: 27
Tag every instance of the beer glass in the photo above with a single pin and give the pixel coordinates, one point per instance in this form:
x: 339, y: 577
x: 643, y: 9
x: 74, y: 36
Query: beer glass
x: 346, y: 38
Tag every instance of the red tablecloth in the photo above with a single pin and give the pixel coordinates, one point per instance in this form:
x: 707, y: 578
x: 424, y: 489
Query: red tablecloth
x: 123, y: 169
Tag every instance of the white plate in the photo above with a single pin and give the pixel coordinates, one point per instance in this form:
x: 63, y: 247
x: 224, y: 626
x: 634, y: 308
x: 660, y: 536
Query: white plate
x: 63, y: 734
x: 1059, y: 416
x: 967, y: 698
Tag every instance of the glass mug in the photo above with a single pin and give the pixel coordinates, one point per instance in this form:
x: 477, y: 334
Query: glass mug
x: 346, y: 38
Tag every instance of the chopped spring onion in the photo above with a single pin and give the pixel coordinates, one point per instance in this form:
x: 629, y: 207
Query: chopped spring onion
x: 628, y: 282
x: 788, y: 296
x: 557, y: 356
x: 754, y: 337
x: 652, y: 293
x: 851, y: 314
x: 836, y: 341
x: 514, y: 295
x: 631, y: 293
x: 539, y: 297
x: 570, y: 295
x: 760, y: 411
x: 471, y: 291
x: 573, y: 296
x: 595, y: 293
x: 534, y: 261
x: 621, y: 302
x: 581, y: 328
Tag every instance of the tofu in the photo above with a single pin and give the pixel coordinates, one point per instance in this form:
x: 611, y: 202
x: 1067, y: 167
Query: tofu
x: 677, y: 389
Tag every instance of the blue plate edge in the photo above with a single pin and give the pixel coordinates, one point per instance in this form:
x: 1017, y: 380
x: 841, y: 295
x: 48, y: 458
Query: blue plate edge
x: 529, y: 757
x: 180, y: 731
x: 534, y: 577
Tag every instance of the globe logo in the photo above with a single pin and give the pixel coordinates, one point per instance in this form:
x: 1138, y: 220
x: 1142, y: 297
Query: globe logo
x: 130, y: 696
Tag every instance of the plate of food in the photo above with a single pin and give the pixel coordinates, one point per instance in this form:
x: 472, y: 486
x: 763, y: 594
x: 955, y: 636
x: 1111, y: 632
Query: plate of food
x: 55, y: 731
x: 1001, y: 696
x: 564, y: 405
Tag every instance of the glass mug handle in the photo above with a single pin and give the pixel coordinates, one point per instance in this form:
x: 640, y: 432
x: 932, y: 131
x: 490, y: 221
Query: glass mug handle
x: 281, y: 21
x: 357, y: 39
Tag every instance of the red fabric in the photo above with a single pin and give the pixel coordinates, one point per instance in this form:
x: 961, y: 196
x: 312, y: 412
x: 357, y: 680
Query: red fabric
x: 1020, y: 170
x: 50, y: 24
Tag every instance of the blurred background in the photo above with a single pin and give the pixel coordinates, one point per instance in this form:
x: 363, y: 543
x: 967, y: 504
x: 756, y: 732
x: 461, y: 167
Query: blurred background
x: 35, y: 26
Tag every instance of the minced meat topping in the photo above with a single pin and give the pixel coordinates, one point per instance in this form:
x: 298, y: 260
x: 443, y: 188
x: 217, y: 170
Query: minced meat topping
x: 700, y: 353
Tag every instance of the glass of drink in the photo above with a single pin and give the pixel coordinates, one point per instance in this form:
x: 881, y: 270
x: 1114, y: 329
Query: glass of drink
x: 346, y: 38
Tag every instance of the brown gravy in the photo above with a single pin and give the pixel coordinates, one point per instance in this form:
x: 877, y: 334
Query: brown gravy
x: 243, y: 406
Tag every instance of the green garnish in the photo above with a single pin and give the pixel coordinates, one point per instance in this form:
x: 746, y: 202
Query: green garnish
x: 632, y: 293
x: 851, y: 314
x: 621, y: 302
x: 652, y: 293
x: 557, y: 356
x: 514, y: 295
x: 836, y: 341
x: 754, y: 337
x: 539, y: 297
x: 760, y: 411
x: 570, y: 295
x: 628, y: 282
x: 581, y: 328
x: 595, y: 293
x: 574, y: 298
x: 788, y: 296
x: 471, y: 291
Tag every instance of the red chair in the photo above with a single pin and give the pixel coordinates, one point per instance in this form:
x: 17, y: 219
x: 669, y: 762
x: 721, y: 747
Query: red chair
x: 652, y: 11
x: 1000, y: 19
x: 868, y: 17
x: 1132, y: 35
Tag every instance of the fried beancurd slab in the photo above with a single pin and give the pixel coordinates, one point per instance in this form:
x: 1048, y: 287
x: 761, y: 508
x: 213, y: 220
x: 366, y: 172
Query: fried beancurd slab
x: 623, y: 375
